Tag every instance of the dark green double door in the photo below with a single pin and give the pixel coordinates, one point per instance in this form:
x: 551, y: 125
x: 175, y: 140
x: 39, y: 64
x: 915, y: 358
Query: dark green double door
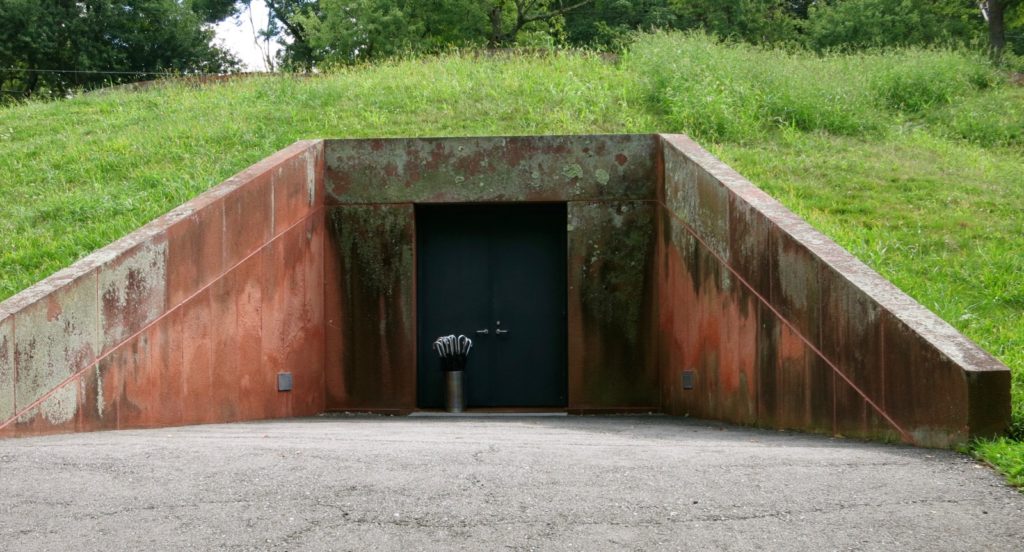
x: 495, y: 273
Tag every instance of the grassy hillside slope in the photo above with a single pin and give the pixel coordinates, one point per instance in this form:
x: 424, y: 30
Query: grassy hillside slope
x: 913, y: 160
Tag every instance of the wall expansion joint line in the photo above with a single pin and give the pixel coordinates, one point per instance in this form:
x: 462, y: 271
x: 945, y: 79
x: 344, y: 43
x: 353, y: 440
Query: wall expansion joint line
x: 70, y: 379
x: 903, y: 433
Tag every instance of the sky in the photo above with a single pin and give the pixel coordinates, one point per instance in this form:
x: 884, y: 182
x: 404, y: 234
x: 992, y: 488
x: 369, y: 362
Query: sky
x: 238, y: 36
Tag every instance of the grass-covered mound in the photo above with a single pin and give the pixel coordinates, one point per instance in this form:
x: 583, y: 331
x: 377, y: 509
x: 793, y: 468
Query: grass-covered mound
x: 911, y: 159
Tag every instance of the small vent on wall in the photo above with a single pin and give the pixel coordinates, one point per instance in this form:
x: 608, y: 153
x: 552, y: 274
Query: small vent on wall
x: 284, y: 381
x: 688, y: 376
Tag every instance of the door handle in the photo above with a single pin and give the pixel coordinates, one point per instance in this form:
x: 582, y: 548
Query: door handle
x: 500, y: 331
x: 484, y: 332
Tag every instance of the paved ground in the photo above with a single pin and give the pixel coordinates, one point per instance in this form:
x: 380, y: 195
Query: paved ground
x: 608, y: 483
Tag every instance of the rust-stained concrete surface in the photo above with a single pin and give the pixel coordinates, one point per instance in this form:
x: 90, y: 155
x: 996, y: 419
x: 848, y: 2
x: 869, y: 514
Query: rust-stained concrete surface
x: 611, y: 251
x: 133, y: 291
x: 6, y: 370
x: 608, y: 183
x: 54, y: 339
x: 690, y: 292
x: 521, y: 168
x: 571, y: 483
x: 781, y: 327
x: 371, y: 308
x: 186, y: 320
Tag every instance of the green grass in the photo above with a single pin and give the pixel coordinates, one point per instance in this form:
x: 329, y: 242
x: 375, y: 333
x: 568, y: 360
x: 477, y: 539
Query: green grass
x: 742, y: 93
x: 992, y: 119
x: 910, y: 159
x: 77, y: 174
x: 1006, y: 455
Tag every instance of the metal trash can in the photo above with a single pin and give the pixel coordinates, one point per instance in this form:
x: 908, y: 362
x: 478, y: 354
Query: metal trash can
x: 454, y: 400
x: 454, y: 352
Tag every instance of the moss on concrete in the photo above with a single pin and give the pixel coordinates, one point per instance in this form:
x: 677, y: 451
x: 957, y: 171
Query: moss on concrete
x: 614, y: 243
x: 375, y: 242
x: 550, y: 168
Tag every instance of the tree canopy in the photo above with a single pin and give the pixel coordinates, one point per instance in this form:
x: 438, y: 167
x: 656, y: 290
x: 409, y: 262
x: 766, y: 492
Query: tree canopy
x: 351, y: 31
x: 55, y: 46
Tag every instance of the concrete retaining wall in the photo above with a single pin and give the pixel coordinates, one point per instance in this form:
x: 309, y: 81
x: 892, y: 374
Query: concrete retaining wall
x: 187, y: 320
x: 783, y: 328
x: 690, y: 291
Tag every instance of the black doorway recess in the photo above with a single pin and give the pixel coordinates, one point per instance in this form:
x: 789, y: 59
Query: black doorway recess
x: 496, y: 273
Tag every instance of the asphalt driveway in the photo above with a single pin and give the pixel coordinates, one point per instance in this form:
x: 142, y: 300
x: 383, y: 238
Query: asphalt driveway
x: 492, y: 483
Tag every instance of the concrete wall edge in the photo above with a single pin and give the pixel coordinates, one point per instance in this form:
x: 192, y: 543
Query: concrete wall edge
x: 940, y: 334
x: 105, y: 254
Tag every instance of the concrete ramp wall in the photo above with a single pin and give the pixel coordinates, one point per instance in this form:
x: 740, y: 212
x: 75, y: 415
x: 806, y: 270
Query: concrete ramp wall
x: 187, y: 320
x: 780, y: 327
x: 690, y: 292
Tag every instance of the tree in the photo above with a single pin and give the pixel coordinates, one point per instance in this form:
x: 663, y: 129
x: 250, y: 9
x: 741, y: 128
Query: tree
x: 212, y: 11
x: 853, y: 24
x: 994, y: 13
x: 56, y: 46
x: 508, y: 17
x: 607, y: 24
x: 350, y: 31
x: 798, y: 8
x: 755, y: 21
x: 288, y: 22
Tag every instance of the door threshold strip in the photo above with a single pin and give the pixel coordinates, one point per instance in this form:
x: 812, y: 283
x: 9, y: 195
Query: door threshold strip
x: 430, y: 414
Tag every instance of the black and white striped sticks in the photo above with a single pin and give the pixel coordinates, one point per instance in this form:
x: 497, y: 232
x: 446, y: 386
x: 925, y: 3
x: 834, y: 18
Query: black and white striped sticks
x: 453, y: 352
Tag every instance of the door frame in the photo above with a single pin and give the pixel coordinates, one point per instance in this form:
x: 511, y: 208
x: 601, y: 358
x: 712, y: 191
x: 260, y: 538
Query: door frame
x: 564, y: 362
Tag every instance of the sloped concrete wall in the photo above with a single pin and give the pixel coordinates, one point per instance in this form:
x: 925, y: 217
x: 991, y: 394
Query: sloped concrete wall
x: 306, y: 263
x: 187, y: 320
x: 783, y: 328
